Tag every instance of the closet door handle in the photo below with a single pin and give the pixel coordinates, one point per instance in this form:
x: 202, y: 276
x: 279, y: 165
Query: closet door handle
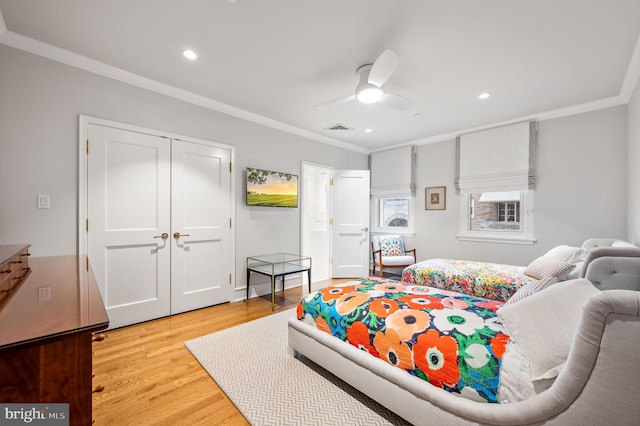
x: 177, y: 235
x: 164, y: 236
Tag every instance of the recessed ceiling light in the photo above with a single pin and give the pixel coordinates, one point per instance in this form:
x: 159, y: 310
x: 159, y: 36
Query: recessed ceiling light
x: 189, y: 54
x: 368, y: 130
x: 484, y: 95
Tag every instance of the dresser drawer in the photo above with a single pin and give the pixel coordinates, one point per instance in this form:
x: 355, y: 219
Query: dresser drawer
x: 13, y: 271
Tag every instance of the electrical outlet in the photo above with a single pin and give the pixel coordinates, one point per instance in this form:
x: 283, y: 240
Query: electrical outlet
x: 44, y: 201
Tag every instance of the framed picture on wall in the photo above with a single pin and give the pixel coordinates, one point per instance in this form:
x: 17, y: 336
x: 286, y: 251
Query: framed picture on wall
x: 435, y: 198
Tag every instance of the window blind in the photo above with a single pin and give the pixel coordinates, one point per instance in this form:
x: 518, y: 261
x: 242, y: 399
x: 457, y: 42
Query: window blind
x: 500, y: 159
x: 392, y: 172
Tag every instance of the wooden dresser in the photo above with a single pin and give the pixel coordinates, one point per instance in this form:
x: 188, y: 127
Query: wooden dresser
x: 49, y: 309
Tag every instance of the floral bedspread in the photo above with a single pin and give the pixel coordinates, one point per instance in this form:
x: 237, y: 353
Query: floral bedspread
x: 489, y: 280
x: 449, y: 339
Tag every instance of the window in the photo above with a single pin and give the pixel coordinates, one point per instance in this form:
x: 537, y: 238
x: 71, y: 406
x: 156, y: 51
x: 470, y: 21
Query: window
x: 509, y: 212
x: 505, y: 216
x: 393, y: 214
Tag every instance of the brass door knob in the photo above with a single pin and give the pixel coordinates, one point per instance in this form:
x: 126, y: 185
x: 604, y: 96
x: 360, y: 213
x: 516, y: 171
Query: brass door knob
x: 177, y: 235
x: 164, y: 236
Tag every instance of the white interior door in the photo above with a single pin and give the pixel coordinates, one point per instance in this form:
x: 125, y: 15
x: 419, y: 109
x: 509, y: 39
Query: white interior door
x: 128, y: 183
x: 201, y: 216
x: 316, y: 232
x: 350, y: 236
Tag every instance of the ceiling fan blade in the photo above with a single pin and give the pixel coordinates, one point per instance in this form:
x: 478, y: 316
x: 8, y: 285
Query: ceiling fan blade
x: 383, y: 67
x: 396, y: 101
x: 335, y: 102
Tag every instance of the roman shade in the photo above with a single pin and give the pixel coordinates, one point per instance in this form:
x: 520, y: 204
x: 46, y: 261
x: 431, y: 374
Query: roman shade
x: 392, y: 172
x: 499, y: 159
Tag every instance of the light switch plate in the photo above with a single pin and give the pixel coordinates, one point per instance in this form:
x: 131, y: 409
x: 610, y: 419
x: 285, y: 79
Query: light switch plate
x: 44, y: 201
x: 44, y: 293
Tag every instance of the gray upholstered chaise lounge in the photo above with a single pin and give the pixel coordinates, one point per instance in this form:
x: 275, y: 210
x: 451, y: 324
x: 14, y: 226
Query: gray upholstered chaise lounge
x: 598, y: 384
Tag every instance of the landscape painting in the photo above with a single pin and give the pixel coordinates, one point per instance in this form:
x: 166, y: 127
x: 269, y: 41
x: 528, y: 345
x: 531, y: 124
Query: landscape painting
x: 271, y: 189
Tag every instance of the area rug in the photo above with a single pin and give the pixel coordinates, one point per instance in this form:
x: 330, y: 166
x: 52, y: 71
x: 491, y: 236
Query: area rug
x: 253, y: 366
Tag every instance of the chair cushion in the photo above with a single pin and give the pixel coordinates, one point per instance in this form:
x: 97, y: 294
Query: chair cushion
x: 392, y: 246
x: 397, y: 260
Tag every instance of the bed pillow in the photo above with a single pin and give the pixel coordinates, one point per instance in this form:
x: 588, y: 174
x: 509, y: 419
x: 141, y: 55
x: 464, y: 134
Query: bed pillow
x: 531, y: 288
x: 544, y: 324
x: 392, y: 246
x: 565, y: 253
x: 544, y: 267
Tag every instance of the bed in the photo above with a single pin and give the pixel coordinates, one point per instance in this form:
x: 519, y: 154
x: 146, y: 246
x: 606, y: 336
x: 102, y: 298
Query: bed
x: 500, y: 281
x: 580, y: 341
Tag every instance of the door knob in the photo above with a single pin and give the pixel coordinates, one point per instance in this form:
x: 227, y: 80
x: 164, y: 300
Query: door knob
x: 365, y: 229
x: 177, y: 235
x: 164, y: 236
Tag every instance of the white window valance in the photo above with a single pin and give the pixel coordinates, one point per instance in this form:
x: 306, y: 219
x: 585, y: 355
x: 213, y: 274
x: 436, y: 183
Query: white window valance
x: 392, y: 172
x: 497, y: 159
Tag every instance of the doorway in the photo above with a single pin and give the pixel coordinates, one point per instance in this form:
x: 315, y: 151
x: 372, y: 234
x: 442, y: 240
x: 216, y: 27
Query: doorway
x: 335, y: 221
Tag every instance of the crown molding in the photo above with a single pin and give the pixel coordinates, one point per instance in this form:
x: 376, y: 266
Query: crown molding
x: 3, y: 26
x: 541, y: 116
x: 57, y: 54
x: 633, y: 73
x: 9, y: 38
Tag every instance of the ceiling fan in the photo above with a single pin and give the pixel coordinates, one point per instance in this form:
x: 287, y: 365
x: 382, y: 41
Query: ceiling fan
x: 370, y: 86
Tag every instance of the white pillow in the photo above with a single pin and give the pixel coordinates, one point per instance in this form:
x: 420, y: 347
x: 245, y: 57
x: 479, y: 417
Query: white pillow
x: 531, y: 289
x: 565, y: 253
x: 544, y: 267
x: 543, y: 324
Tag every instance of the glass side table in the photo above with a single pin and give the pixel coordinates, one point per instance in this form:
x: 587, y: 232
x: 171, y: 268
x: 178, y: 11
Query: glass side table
x: 278, y: 265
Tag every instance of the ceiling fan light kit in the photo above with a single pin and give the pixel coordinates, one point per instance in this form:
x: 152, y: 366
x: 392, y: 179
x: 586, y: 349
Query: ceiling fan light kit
x: 371, y: 78
x: 368, y: 93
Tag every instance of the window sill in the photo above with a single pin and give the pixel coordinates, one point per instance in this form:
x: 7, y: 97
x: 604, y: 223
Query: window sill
x: 404, y: 233
x: 502, y: 239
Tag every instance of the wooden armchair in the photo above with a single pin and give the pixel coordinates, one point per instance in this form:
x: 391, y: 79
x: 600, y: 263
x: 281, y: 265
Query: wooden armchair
x: 388, y: 252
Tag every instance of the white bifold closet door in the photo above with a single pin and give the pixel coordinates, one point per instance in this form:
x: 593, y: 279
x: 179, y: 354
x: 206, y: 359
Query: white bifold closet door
x: 158, y: 215
x: 200, y: 213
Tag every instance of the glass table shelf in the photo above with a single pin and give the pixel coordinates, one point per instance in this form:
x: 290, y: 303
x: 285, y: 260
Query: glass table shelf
x: 277, y: 265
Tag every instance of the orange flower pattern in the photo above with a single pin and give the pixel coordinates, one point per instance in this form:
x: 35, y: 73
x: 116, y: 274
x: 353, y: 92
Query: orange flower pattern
x: 358, y: 336
x: 393, y: 350
x: 450, y: 339
x: 383, y: 307
x: 436, y: 356
x: 407, y: 322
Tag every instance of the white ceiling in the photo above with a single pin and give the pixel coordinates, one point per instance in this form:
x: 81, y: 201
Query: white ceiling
x: 273, y: 61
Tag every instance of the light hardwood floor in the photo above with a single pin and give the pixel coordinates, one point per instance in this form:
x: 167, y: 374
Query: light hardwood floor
x: 149, y: 377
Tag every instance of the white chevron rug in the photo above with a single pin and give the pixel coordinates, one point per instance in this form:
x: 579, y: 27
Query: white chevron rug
x: 253, y: 366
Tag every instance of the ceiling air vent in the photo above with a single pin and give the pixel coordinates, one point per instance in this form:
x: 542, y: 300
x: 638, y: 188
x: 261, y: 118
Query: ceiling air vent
x: 339, y: 126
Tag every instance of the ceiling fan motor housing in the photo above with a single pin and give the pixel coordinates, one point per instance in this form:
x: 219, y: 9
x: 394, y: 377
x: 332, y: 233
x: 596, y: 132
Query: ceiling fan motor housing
x: 366, y: 92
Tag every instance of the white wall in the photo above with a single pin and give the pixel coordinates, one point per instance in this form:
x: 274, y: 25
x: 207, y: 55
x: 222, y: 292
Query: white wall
x: 581, y: 190
x: 40, y: 101
x: 581, y: 158
x: 633, y: 118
